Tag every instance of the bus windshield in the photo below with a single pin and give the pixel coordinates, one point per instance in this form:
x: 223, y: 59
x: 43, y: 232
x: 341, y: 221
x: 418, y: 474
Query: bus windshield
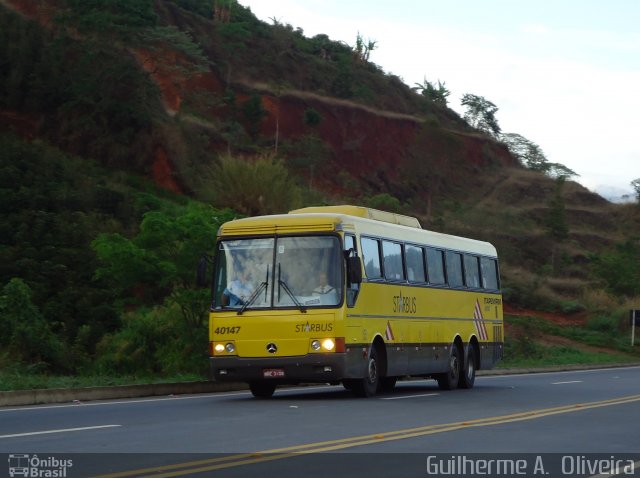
x: 298, y: 272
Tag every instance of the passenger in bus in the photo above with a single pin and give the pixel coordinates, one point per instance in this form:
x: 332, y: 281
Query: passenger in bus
x: 238, y: 290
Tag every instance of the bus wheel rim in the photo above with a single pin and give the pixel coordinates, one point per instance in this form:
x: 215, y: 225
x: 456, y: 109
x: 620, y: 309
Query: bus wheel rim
x: 373, y: 371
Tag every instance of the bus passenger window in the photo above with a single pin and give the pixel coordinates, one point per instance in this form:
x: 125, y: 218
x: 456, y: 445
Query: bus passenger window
x: 435, y: 266
x: 415, y: 263
x: 371, y: 258
x: 392, y: 253
x: 454, y: 269
x: 471, y: 271
x: 489, y: 268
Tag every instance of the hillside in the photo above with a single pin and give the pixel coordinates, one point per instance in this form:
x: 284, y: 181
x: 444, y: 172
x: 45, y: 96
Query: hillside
x: 116, y: 115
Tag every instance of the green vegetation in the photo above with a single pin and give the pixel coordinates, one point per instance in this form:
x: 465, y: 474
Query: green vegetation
x: 618, y: 268
x: 481, y: 114
x: 437, y: 94
x: 260, y: 185
x: 97, y: 264
x: 603, y: 339
x: 78, y: 295
x: 24, y: 379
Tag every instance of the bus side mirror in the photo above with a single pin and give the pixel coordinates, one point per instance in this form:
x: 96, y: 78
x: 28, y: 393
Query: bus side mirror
x: 201, y: 276
x: 354, y: 270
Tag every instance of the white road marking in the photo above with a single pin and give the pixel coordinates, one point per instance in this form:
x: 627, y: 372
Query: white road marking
x: 410, y: 396
x: 551, y: 372
x: 62, y: 430
x: 562, y: 383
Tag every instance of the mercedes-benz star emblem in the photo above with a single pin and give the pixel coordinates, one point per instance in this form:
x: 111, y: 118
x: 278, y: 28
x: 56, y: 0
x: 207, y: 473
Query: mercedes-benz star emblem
x: 272, y: 348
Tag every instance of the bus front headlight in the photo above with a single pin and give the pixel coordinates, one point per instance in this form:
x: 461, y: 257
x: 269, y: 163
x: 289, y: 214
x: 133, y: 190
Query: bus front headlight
x: 315, y: 345
x: 224, y: 348
x: 328, y: 345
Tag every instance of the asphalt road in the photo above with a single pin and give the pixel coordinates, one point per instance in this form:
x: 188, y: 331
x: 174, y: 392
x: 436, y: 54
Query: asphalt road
x: 577, y: 423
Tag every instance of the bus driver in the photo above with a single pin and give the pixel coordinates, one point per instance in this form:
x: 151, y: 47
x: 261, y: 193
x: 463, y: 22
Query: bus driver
x: 238, y: 290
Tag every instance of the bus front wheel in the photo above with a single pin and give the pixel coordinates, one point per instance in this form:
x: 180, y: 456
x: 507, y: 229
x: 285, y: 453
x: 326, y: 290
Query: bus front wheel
x: 368, y: 386
x: 450, y: 379
x: 262, y: 389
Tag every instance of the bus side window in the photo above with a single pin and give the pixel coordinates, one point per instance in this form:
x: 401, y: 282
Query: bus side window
x: 471, y: 271
x: 489, y: 270
x: 415, y: 263
x: 435, y: 266
x: 371, y: 258
x: 392, y: 254
x: 454, y: 269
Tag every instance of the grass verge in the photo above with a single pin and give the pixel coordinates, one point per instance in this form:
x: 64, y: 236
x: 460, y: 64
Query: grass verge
x: 26, y: 381
x: 599, y: 341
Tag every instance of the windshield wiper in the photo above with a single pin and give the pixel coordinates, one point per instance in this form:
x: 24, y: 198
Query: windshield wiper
x: 256, y: 293
x: 284, y: 285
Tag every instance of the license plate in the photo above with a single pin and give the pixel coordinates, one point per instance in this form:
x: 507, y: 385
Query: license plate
x: 273, y: 373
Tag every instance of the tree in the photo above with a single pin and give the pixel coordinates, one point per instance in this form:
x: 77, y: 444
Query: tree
x: 159, y: 262
x: 560, y: 171
x: 222, y: 10
x: 363, y: 50
x: 438, y: 94
x: 254, y: 185
x: 26, y: 336
x: 526, y: 151
x: 532, y: 156
x: 481, y: 114
x: 253, y: 112
x: 113, y: 19
x: 635, y: 184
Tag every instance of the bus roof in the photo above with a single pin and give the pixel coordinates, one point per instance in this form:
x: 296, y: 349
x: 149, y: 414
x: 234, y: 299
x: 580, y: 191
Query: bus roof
x: 366, y: 212
x: 364, y: 221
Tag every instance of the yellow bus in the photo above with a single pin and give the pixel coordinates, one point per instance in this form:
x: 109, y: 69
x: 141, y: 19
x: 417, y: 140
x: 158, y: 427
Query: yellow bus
x: 353, y: 295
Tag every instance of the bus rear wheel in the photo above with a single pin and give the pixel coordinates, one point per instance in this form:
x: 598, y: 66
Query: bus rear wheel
x: 468, y: 375
x: 450, y: 379
x: 368, y: 386
x: 262, y: 389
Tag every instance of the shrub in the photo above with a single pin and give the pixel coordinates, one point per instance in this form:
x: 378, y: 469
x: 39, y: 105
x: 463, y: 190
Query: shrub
x: 384, y: 202
x: 608, y: 325
x: 618, y: 268
x: 26, y: 335
x: 255, y: 185
x: 154, y: 342
x: 312, y: 117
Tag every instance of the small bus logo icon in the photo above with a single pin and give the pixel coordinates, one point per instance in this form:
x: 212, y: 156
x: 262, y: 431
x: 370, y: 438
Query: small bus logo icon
x: 18, y: 465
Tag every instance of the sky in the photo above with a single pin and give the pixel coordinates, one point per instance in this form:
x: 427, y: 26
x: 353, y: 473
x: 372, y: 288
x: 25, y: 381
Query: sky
x: 564, y: 74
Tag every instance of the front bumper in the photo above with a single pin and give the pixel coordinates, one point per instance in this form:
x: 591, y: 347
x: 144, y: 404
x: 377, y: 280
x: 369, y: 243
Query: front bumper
x: 312, y: 368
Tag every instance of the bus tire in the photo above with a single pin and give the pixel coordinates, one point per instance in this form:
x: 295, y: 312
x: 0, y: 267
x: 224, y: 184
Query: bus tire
x: 368, y: 386
x: 262, y: 389
x: 450, y: 379
x: 468, y: 375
